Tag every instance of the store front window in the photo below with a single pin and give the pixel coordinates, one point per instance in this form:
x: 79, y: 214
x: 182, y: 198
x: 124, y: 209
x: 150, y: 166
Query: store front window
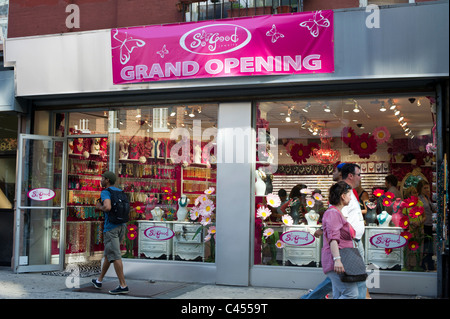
x: 391, y: 139
x: 164, y: 158
x: 8, y: 148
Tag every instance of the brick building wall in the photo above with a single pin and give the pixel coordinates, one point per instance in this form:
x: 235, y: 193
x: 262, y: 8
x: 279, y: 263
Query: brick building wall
x: 40, y: 17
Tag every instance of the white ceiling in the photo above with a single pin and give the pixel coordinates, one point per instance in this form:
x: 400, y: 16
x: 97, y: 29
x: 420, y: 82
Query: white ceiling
x: 417, y: 115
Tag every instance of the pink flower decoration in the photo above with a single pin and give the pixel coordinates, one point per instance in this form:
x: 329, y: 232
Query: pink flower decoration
x: 416, y: 211
x: 389, y: 195
x: 404, y: 222
x: 381, y: 134
x: 268, y: 232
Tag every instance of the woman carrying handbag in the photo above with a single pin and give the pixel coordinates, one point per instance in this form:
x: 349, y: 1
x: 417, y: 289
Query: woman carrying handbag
x: 338, y: 234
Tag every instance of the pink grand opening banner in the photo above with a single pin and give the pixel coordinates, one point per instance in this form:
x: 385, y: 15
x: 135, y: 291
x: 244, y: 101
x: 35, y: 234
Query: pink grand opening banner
x: 297, y: 43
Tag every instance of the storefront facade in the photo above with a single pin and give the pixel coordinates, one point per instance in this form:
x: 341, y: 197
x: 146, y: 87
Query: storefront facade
x: 203, y: 138
x: 9, y: 117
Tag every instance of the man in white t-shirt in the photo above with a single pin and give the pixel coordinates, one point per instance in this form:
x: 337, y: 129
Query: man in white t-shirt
x: 351, y: 174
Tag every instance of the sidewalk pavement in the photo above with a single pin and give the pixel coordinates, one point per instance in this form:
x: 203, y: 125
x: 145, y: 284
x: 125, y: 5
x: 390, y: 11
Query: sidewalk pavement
x: 39, y: 286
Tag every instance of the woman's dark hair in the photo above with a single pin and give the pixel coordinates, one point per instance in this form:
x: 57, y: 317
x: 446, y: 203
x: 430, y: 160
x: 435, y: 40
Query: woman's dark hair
x: 295, y: 191
x: 392, y: 180
x: 336, y: 192
x: 420, y: 186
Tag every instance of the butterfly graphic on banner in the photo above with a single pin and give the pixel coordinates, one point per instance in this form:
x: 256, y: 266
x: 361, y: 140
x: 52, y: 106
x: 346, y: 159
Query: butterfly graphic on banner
x: 274, y: 34
x: 127, y: 45
x: 163, y: 51
x: 315, y: 23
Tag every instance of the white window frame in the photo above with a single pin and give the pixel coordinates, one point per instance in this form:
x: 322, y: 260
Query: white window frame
x: 160, y: 115
x: 363, y: 3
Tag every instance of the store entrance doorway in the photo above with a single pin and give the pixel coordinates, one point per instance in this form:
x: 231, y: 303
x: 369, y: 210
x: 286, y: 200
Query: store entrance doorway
x: 40, y: 208
x: 88, y: 157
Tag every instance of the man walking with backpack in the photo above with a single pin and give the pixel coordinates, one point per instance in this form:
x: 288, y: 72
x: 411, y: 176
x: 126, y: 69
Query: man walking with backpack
x: 114, y: 230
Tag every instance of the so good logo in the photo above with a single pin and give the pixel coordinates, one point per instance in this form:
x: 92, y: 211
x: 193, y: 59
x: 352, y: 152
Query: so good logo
x: 215, y: 39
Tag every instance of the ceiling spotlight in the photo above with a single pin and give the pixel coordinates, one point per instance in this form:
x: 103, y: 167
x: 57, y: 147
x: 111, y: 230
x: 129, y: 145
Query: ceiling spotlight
x: 192, y: 113
x: 382, y: 108
x: 397, y: 113
x: 288, y: 117
x: 392, y: 104
x: 418, y: 102
x: 356, y: 109
x: 199, y: 109
x: 326, y: 108
x: 306, y: 108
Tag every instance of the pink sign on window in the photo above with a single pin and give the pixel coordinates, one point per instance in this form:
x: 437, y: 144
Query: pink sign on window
x: 41, y: 194
x: 297, y: 238
x: 263, y: 45
x: 388, y: 240
x: 159, y: 233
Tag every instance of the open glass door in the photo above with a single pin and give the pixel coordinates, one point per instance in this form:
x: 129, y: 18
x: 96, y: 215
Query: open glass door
x: 40, y: 208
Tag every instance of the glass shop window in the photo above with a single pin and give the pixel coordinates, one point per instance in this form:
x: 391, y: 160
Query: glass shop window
x: 8, y: 148
x: 164, y: 158
x: 88, y: 122
x: 88, y: 158
x: 391, y: 138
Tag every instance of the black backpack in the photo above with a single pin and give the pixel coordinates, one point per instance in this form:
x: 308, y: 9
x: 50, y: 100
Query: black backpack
x: 120, y: 207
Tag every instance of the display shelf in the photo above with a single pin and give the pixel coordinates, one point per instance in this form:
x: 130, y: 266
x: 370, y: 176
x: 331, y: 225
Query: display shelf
x: 378, y: 256
x: 182, y: 245
x: 303, y: 255
x: 185, y: 245
x: 197, y: 178
x: 153, y: 248
x: 84, y: 235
